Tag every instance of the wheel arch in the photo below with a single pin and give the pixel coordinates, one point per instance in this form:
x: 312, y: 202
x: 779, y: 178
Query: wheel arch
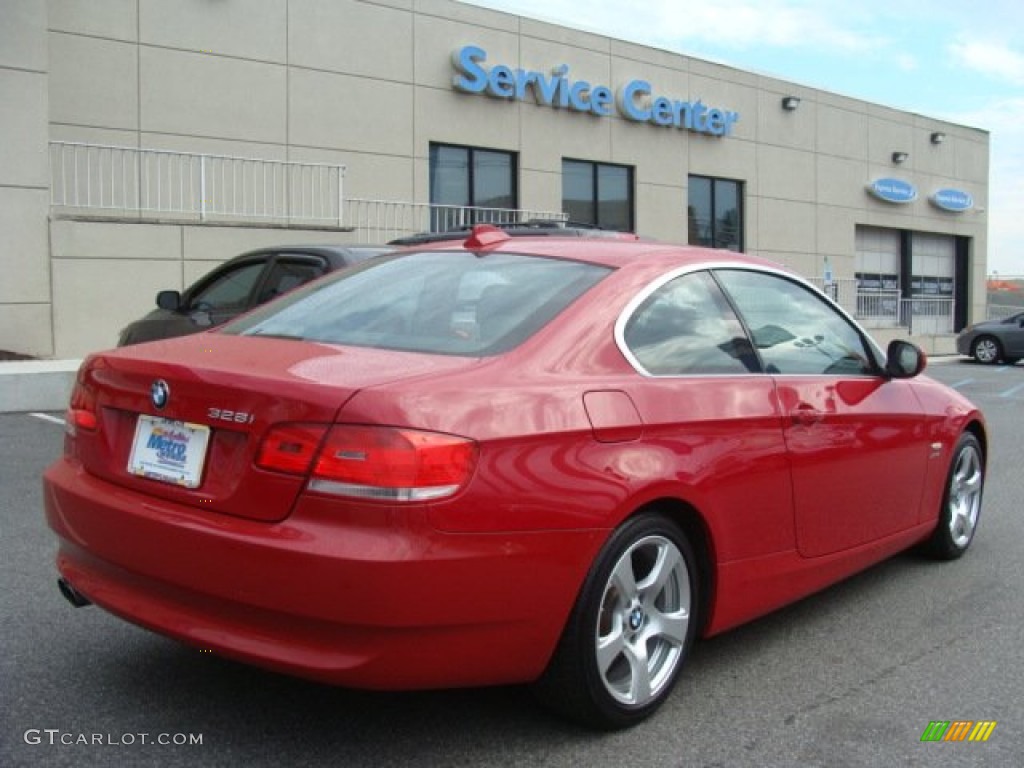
x: 977, y: 429
x: 697, y: 532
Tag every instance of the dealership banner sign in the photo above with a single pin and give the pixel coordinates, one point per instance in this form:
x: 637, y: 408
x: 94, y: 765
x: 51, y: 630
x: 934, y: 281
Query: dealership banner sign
x: 635, y: 100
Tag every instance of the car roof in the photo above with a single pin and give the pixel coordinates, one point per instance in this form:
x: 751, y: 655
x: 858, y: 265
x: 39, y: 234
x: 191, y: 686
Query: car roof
x: 608, y: 252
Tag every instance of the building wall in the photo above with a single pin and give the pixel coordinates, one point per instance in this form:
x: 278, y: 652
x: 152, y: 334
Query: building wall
x: 369, y: 84
x: 106, y: 274
x: 24, y: 179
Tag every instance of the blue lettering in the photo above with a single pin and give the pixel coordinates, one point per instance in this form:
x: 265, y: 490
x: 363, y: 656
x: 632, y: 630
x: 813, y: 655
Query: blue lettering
x: 661, y: 111
x: 466, y: 62
x: 502, y: 82
x: 730, y: 118
x: 601, y: 101
x: 523, y: 81
x: 546, y: 88
x: 627, y: 100
x: 563, y: 83
x: 577, y: 96
x: 635, y: 100
x: 698, y: 113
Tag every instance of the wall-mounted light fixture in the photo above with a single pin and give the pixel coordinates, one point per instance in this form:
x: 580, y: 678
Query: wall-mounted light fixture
x: 938, y: 137
x: 899, y: 157
x: 789, y: 103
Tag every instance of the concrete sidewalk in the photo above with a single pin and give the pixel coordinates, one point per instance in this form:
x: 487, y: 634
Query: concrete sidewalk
x: 36, y: 385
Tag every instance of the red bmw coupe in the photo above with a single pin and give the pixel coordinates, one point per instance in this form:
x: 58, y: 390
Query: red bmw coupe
x: 545, y: 460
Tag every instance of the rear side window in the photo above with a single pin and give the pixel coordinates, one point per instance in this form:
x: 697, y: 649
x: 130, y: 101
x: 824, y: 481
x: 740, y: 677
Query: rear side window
x: 454, y: 303
x: 687, y: 327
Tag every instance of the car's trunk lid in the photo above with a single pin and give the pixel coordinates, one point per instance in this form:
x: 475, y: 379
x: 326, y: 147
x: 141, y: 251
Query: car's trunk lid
x: 223, y: 393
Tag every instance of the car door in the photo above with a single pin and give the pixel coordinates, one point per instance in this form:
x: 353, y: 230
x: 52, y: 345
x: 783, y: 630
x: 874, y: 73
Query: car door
x: 857, y: 441
x: 710, y: 415
x: 1013, y: 338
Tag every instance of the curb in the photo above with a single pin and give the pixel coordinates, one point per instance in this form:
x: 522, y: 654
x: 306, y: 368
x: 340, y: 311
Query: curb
x: 36, y: 385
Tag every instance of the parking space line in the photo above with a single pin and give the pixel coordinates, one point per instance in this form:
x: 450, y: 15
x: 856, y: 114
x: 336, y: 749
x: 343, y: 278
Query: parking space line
x: 963, y: 383
x: 1012, y: 390
x: 48, y: 417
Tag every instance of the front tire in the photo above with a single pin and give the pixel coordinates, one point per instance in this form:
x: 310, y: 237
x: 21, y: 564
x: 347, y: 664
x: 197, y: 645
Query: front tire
x: 986, y: 350
x: 961, y: 502
x: 631, y: 629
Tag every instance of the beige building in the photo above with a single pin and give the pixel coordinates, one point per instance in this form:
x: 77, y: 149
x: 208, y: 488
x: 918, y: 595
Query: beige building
x: 143, y: 141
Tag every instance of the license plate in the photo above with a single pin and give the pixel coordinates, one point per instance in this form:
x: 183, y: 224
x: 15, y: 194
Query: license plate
x: 169, y: 451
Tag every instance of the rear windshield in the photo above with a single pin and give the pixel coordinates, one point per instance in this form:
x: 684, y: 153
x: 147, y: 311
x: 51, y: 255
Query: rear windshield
x: 454, y: 303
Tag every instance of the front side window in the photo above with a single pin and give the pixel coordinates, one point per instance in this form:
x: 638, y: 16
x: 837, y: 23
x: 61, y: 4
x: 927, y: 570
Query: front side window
x: 715, y: 213
x: 687, y: 327
x: 465, y: 178
x: 598, y: 194
x: 794, y: 330
x: 454, y: 303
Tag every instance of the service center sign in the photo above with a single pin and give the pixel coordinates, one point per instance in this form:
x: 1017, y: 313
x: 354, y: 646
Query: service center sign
x: 634, y: 101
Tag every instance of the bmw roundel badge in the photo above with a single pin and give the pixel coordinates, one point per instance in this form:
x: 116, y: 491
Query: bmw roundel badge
x: 160, y: 393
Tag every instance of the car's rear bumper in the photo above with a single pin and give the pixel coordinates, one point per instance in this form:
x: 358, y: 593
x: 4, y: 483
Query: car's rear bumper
x: 366, y: 597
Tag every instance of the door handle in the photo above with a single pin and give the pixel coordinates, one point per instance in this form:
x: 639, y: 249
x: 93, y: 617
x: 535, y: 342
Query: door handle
x: 806, y: 415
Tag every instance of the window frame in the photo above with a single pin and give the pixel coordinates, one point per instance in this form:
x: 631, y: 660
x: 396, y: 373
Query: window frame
x: 595, y: 199
x: 714, y: 182
x: 713, y: 267
x: 471, y: 172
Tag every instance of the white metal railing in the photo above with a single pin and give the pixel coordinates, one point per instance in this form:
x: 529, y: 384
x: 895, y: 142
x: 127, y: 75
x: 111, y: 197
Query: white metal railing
x: 127, y: 181
x: 383, y: 220
x: 878, y: 309
x: 927, y: 315
x: 887, y: 309
x: 1001, y: 311
x: 843, y: 291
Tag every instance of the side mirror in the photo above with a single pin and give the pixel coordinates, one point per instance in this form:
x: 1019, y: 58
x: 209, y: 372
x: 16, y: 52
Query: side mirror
x: 904, y: 360
x: 169, y: 300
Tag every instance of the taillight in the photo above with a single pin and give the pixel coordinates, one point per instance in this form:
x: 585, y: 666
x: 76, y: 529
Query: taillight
x: 385, y: 463
x: 290, y: 448
x: 82, y: 409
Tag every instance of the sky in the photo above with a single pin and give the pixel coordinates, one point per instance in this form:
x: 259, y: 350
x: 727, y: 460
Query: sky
x: 958, y: 61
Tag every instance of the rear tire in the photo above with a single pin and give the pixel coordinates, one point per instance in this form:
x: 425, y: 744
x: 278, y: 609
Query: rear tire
x: 631, y: 629
x: 961, y: 502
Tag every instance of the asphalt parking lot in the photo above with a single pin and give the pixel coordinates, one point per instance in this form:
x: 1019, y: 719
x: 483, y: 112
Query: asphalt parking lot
x: 850, y: 677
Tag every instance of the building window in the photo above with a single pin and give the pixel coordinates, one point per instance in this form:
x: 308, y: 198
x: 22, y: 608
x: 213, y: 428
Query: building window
x: 598, y: 194
x: 715, y: 213
x: 469, y: 185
